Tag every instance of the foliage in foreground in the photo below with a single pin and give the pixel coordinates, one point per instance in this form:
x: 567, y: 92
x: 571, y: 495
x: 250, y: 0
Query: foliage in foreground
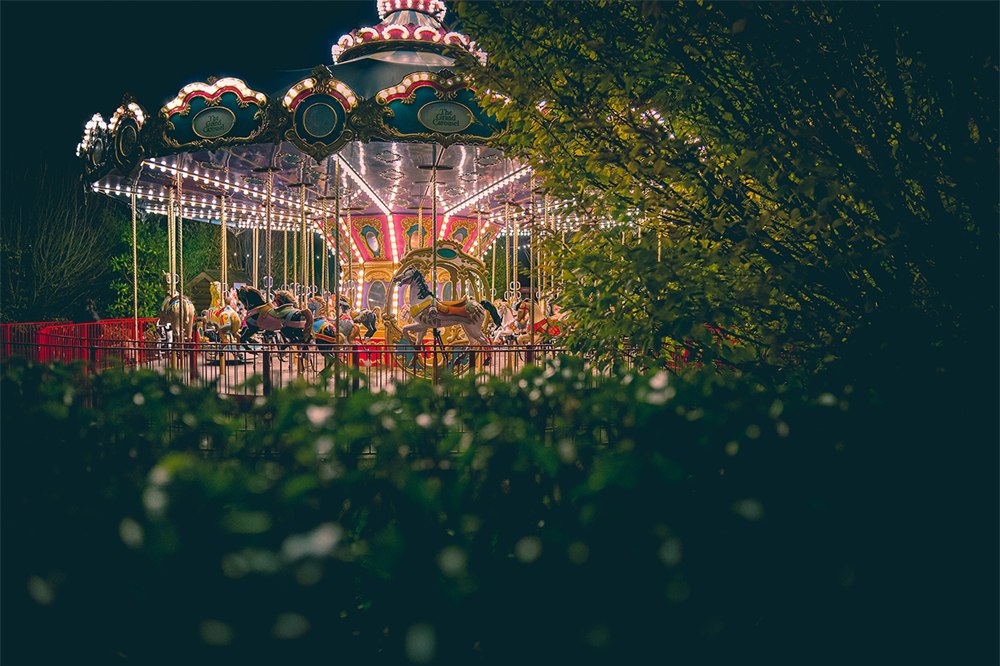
x: 819, y: 176
x: 554, y: 519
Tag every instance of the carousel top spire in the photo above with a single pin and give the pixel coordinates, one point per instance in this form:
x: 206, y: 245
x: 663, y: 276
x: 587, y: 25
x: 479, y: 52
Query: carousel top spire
x: 408, y: 27
x: 433, y: 8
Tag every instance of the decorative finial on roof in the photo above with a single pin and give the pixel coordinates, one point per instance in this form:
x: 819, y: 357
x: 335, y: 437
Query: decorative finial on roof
x: 433, y: 8
x: 321, y: 73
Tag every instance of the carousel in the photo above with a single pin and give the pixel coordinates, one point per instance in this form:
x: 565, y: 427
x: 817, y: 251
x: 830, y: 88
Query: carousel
x: 378, y: 162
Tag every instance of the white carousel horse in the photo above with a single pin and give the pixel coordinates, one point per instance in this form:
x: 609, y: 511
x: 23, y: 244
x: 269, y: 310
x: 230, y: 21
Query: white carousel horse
x: 428, y: 312
x: 221, y: 319
x: 170, y: 318
x: 507, y: 330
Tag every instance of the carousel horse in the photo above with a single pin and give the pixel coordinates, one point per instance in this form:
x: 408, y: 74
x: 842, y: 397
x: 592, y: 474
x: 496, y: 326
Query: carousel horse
x: 547, y: 326
x: 506, y: 332
x: 220, y: 322
x: 172, y: 316
x: 370, y: 320
x: 428, y: 312
x: 284, y: 316
x: 348, y: 330
x: 345, y: 331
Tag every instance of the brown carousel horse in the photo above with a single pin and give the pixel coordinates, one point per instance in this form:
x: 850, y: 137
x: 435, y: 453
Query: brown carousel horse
x: 295, y: 324
x: 347, y: 330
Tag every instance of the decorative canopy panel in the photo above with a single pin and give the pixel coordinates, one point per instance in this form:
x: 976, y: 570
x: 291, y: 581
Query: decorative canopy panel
x: 388, y: 113
x: 380, y: 181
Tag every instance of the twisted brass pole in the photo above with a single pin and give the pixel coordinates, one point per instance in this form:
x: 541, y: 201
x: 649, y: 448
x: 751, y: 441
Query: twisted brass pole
x: 269, y: 211
x: 223, y: 269
x: 171, y: 243
x: 180, y: 255
x: 506, y: 256
x: 135, y: 273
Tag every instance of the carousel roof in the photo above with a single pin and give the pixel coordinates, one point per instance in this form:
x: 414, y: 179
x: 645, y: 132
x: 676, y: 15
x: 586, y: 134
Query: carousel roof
x: 388, y: 108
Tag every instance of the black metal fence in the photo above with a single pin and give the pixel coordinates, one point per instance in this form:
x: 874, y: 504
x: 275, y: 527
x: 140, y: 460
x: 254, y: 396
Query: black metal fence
x: 255, y: 369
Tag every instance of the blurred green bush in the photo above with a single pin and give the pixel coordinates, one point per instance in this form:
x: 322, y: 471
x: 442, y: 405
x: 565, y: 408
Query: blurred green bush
x: 556, y: 518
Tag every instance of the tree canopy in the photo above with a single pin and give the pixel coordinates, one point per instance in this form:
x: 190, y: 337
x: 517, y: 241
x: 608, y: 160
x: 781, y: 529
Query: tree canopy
x: 805, y: 178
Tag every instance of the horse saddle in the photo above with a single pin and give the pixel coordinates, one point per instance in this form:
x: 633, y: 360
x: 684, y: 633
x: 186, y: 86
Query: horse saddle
x: 324, y: 331
x: 271, y: 318
x: 452, y: 308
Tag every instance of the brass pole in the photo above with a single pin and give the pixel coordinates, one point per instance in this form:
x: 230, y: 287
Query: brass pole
x: 180, y: 255
x: 531, y: 256
x: 269, y: 211
x: 325, y: 266
x: 304, y: 239
x: 515, y: 278
x: 135, y: 273
x: 493, y: 273
x: 284, y: 256
x: 336, y: 270
x: 350, y: 256
x: 224, y: 273
x: 171, y: 243
x: 506, y: 257
x: 256, y: 246
x: 434, y: 223
x: 548, y: 228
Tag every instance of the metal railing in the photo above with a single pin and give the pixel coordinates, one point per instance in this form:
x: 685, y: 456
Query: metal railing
x: 255, y: 369
x: 119, y: 341
x: 21, y: 339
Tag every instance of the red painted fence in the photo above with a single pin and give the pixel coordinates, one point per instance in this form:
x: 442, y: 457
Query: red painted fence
x: 98, y: 342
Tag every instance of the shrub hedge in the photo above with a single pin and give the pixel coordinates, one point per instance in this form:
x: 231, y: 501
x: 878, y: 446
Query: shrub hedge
x: 555, y: 518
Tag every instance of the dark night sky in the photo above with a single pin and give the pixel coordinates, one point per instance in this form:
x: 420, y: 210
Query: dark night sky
x: 61, y: 62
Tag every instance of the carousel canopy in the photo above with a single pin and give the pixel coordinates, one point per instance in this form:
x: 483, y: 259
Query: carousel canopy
x: 389, y: 113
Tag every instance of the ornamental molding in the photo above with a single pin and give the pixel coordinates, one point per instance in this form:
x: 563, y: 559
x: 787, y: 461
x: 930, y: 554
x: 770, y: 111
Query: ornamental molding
x: 396, y: 35
x: 211, y: 91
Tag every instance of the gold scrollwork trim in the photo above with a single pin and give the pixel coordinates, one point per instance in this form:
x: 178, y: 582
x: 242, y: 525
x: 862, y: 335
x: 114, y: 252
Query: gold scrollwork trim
x: 211, y: 144
x: 392, y: 134
x: 377, y: 274
x: 319, y: 150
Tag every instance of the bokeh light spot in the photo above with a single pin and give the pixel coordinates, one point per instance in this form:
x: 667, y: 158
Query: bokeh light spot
x: 216, y: 633
x: 528, y: 549
x: 290, y: 625
x: 131, y: 533
x: 420, y: 643
x: 41, y: 591
x: 671, y: 552
x: 452, y: 561
x: 750, y: 509
x: 578, y: 553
